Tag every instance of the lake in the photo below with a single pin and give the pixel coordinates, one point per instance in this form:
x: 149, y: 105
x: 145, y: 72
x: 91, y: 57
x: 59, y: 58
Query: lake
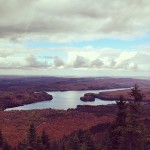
x: 65, y: 100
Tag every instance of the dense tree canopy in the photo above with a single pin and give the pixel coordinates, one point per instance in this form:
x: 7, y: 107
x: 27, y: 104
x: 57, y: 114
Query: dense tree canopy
x: 128, y: 132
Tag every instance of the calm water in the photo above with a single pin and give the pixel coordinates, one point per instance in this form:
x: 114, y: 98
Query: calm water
x: 65, y: 100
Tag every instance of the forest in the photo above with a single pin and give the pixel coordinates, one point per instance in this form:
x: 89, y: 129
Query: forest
x: 128, y: 130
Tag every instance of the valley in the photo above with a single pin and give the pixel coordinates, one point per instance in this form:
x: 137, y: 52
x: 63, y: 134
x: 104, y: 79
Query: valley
x: 60, y: 124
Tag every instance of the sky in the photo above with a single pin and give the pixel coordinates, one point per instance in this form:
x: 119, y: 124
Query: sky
x: 75, y: 37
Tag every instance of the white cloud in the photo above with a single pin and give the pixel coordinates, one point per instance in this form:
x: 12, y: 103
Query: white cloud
x: 89, y: 59
x: 69, y: 20
x: 124, y: 59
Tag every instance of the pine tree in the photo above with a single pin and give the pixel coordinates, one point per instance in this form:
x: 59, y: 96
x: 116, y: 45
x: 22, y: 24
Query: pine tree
x: 81, y: 141
x: 1, y: 139
x: 80, y: 135
x: 39, y: 144
x: 3, y: 143
x: 45, y: 140
x: 122, y: 112
x: 34, y: 142
x: 74, y: 143
x: 136, y: 94
x: 22, y: 145
x: 88, y: 141
x: 31, y: 139
x: 126, y: 133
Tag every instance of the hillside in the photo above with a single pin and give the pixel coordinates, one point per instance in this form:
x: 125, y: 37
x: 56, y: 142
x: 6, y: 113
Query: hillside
x: 13, y: 99
x: 32, y: 84
x: 57, y: 123
x: 114, y: 95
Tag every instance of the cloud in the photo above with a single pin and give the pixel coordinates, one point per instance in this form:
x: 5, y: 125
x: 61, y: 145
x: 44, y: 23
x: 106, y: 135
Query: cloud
x: 58, y: 62
x: 124, y: 60
x: 116, y: 60
x: 5, y: 53
x: 133, y: 66
x: 10, y: 63
x: 33, y: 62
x: 97, y: 63
x: 82, y: 58
x: 80, y: 62
x: 91, y: 61
x: 69, y: 20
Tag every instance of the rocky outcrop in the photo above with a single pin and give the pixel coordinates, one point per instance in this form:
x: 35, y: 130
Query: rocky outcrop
x: 88, y: 97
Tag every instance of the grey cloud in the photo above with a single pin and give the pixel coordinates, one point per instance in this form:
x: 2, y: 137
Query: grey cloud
x: 73, y: 20
x: 113, y: 63
x: 127, y: 60
x: 101, y: 63
x: 10, y: 63
x: 30, y: 62
x: 33, y: 62
x: 48, y: 57
x: 97, y: 63
x: 9, y: 50
x: 80, y: 62
x: 58, y: 62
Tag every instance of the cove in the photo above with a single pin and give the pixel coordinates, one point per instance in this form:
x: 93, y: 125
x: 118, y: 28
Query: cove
x: 65, y: 100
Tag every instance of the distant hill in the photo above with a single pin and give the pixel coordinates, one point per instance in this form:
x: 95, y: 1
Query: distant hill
x: 35, y: 83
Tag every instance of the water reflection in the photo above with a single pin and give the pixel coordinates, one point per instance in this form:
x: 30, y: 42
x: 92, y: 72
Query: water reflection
x: 65, y: 100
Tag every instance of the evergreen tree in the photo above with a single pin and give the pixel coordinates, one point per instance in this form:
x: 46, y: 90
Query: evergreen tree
x: 1, y: 139
x: 81, y: 141
x: 34, y: 142
x: 45, y: 140
x: 126, y: 133
x: 74, y: 143
x: 88, y: 141
x: 136, y: 93
x: 22, y: 145
x: 80, y: 135
x: 39, y: 144
x: 31, y: 139
x: 3, y: 143
x: 122, y: 112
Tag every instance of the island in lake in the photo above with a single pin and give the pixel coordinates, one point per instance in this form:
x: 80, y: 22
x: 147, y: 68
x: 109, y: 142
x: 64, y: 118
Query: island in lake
x: 64, y: 127
x: 115, y: 95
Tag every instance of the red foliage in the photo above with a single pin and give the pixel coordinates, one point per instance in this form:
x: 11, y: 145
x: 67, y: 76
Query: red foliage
x: 57, y: 123
x: 12, y: 99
